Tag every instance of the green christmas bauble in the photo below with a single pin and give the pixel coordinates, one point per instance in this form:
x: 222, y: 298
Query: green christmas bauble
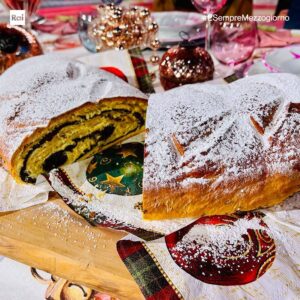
x: 118, y: 170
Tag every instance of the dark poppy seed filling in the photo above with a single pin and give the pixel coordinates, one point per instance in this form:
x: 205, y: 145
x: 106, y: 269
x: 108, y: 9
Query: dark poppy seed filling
x: 119, y: 123
x: 55, y: 160
x: 23, y: 173
x: 59, y: 158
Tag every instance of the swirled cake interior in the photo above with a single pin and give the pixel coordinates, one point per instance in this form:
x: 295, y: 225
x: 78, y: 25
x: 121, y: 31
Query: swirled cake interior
x: 79, y: 135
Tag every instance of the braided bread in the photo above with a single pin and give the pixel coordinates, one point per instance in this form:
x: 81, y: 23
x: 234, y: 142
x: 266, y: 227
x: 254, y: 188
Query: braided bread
x: 216, y: 149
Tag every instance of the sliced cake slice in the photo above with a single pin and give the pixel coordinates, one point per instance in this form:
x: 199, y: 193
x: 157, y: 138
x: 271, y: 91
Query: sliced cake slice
x: 54, y: 111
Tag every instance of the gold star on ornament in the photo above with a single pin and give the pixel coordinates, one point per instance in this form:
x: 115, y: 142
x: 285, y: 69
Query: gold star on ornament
x: 113, y: 182
x: 127, y: 152
x: 92, y: 167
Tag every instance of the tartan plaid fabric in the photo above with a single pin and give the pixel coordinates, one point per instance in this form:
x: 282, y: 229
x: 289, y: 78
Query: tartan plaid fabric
x: 152, y: 282
x: 231, y: 78
x: 141, y: 71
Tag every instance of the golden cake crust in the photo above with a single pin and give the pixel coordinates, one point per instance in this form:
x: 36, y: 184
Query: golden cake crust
x: 218, y: 149
x: 40, y: 92
x: 10, y: 164
x: 196, y: 200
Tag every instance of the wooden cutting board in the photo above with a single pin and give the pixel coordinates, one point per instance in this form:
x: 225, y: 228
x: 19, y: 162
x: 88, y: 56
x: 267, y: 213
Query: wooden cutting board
x: 51, y: 237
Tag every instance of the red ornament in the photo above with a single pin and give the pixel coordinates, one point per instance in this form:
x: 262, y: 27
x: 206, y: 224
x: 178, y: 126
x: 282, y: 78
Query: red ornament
x: 16, y: 44
x: 235, y: 260
x: 116, y: 72
x: 185, y: 64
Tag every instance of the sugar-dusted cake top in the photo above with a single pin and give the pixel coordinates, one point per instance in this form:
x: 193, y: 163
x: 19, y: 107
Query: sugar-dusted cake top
x: 40, y: 88
x: 206, y: 133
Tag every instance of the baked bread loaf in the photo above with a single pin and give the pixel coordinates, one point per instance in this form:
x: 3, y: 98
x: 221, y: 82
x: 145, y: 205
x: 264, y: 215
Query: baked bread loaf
x: 16, y: 44
x: 54, y: 111
x: 217, y: 149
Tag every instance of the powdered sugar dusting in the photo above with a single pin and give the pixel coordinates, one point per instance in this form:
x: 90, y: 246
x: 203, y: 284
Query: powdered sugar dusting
x: 43, y: 87
x: 115, y: 209
x: 239, y: 130
x: 218, y: 243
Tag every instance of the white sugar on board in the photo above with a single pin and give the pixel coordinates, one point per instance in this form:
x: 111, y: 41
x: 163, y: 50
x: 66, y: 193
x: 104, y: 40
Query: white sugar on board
x: 59, y: 221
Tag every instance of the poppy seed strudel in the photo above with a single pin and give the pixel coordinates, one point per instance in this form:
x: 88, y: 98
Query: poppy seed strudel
x: 216, y: 149
x: 55, y: 111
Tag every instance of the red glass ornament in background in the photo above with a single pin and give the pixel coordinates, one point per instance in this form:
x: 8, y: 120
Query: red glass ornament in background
x: 242, y: 264
x: 185, y: 64
x: 116, y: 72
